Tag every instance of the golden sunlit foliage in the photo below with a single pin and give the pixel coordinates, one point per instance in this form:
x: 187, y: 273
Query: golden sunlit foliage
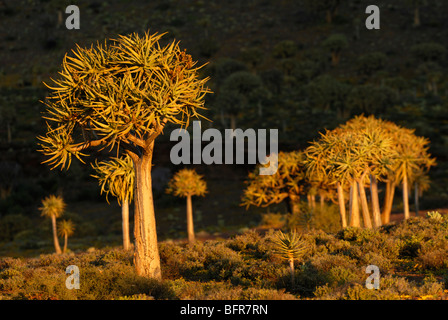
x: 122, y: 92
x: 52, y: 206
x: 287, y: 183
x: 116, y: 177
x: 187, y: 182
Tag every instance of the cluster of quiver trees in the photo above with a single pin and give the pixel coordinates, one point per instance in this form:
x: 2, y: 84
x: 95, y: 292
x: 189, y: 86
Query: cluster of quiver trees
x: 342, y: 164
x: 119, y: 95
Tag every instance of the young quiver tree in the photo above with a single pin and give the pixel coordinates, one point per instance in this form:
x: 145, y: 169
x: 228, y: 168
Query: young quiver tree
x: 65, y: 230
x: 53, y: 207
x: 187, y: 183
x: 290, y: 247
x: 286, y: 184
x: 120, y: 95
x: 117, y: 177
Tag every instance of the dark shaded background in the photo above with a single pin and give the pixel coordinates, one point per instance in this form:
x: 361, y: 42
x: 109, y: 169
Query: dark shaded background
x: 281, y: 42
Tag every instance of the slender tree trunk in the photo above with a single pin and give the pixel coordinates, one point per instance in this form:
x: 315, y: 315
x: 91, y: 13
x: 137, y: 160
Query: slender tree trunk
x: 388, y: 201
x: 321, y: 200
x: 291, y: 270
x: 354, y: 206
x: 146, y: 254
x: 190, y: 225
x: 416, y: 16
x: 405, y: 197
x: 294, y: 204
x: 375, y: 202
x: 364, y: 205
x: 65, y: 243
x: 125, y: 224
x: 55, y: 235
x: 417, y: 207
x: 341, y: 202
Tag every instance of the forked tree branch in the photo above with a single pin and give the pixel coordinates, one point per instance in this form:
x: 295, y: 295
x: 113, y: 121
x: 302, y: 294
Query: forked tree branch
x: 92, y: 143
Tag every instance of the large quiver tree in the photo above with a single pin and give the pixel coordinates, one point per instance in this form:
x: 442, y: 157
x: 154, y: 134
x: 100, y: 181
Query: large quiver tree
x: 120, y: 95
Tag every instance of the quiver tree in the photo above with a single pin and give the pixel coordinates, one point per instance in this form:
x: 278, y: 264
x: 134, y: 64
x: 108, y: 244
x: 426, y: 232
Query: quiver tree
x: 65, y: 230
x: 377, y: 150
x: 416, y: 5
x: 286, y: 184
x: 120, y: 95
x: 53, y: 207
x: 187, y: 183
x: 412, y: 160
x: 327, y: 93
x: 328, y: 158
x: 290, y: 247
x: 335, y: 43
x: 238, y: 93
x: 330, y: 7
x: 117, y: 177
x: 353, y: 154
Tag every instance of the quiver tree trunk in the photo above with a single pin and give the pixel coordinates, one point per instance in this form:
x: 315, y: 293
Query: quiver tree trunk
x: 354, y: 218
x: 405, y: 197
x: 388, y: 201
x: 364, y: 205
x: 125, y: 224
x: 190, y: 225
x: 57, y: 247
x: 375, y: 202
x: 146, y: 253
x: 291, y: 270
x: 294, y: 204
x: 65, y: 243
x: 341, y: 202
x: 416, y: 195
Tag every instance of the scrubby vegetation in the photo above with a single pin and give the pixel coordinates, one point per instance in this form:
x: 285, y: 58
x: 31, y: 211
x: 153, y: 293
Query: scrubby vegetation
x: 307, y: 68
x: 411, y: 257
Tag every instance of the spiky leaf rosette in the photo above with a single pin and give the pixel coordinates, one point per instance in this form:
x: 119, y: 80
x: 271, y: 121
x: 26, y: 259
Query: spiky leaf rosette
x: 66, y: 227
x: 52, y: 206
x: 289, y: 246
x: 120, y: 93
x: 116, y: 177
x: 187, y: 182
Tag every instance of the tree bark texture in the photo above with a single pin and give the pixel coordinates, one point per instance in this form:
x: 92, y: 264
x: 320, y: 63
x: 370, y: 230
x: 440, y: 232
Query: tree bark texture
x: 375, y: 202
x: 364, y: 205
x: 354, y: 218
x: 125, y: 224
x: 341, y: 202
x: 146, y: 253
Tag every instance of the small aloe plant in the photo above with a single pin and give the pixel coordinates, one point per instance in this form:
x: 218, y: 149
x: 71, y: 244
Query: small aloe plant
x: 289, y: 246
x: 435, y: 216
